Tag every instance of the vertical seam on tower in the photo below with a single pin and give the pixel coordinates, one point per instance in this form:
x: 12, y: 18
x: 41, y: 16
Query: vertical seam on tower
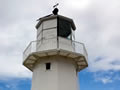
x: 57, y: 32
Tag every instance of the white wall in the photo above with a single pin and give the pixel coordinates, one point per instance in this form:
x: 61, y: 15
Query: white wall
x: 47, y: 44
x: 45, y: 79
x: 47, y: 35
x: 62, y: 75
x: 67, y: 75
x: 50, y: 23
x: 39, y: 32
x: 66, y: 44
x: 47, y: 29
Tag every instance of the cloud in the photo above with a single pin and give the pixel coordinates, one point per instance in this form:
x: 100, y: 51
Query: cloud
x: 97, y: 21
x: 106, y: 80
x: 17, y: 29
x: 107, y: 77
x: 98, y: 27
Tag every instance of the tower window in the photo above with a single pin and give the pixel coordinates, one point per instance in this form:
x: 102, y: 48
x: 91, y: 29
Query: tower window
x: 48, y: 66
x: 64, y: 28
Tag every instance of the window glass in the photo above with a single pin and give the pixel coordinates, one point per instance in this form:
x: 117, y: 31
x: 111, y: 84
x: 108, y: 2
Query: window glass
x: 73, y: 35
x: 64, y: 28
x: 48, y: 66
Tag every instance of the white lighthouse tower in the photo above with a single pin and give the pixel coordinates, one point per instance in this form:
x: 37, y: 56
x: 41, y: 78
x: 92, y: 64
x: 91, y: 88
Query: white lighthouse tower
x: 55, y: 57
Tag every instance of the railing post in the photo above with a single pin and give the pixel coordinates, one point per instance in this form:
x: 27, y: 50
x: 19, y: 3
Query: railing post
x: 57, y: 42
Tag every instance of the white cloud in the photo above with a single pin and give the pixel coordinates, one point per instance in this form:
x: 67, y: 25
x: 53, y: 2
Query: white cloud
x: 78, y: 4
x: 97, y: 21
x: 105, y: 64
x: 99, y: 30
x: 106, y: 80
x: 107, y: 77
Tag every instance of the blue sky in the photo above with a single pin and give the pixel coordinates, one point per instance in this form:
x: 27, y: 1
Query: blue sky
x: 16, y: 84
x: 98, y: 27
x: 86, y: 79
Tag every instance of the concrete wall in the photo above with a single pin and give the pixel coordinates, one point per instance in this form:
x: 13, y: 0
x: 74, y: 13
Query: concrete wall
x: 39, y: 32
x: 47, y: 44
x: 66, y: 44
x: 46, y: 35
x: 67, y: 75
x: 45, y: 79
x: 61, y: 76
x: 47, y: 29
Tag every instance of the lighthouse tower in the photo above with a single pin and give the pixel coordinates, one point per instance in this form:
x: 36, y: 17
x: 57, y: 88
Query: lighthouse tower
x: 55, y: 57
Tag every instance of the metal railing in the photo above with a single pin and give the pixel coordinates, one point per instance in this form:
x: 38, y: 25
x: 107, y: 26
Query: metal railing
x: 55, y: 43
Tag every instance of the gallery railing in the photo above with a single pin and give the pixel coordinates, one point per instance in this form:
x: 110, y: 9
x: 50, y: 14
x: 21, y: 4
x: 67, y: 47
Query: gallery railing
x: 55, y: 43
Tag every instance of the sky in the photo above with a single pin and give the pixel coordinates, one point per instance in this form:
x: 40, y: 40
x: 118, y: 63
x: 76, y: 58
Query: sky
x: 97, y: 23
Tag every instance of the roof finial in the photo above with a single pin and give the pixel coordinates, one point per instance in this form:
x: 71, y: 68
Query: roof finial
x: 55, y: 11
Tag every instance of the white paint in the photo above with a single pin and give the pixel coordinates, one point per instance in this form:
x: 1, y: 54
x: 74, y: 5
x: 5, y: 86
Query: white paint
x: 62, y: 75
x: 39, y: 32
x: 47, y: 36
x: 39, y: 37
x: 50, y: 33
x: 65, y: 44
x: 45, y: 31
x: 50, y: 23
x: 67, y: 75
x: 47, y: 44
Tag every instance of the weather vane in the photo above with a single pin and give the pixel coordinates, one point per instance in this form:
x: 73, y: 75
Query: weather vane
x: 55, y: 6
x: 55, y: 11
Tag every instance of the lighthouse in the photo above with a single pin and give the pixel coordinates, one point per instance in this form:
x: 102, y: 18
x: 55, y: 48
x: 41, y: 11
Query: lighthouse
x: 55, y: 58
